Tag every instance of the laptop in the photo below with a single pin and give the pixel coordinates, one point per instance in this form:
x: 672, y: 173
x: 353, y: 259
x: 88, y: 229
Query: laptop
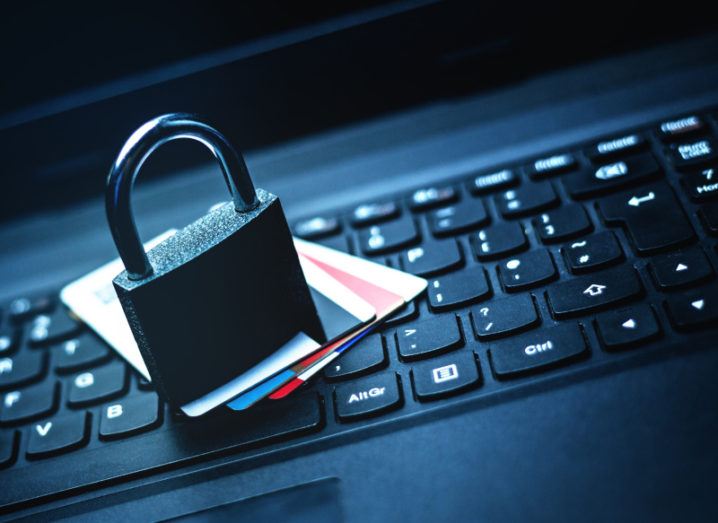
x: 552, y: 172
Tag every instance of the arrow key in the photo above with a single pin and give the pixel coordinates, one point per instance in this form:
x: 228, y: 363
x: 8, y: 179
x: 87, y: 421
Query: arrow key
x: 680, y: 269
x: 696, y: 308
x: 627, y: 327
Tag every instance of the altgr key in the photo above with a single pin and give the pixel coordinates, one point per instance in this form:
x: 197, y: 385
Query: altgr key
x: 367, y: 397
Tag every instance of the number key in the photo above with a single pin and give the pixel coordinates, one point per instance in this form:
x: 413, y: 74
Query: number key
x: 562, y: 224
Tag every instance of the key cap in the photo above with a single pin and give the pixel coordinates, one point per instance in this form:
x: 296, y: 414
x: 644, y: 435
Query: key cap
x: 430, y: 197
x: 528, y: 199
x: 97, y: 385
x: 79, y: 353
x: 29, y: 403
x: 367, y: 397
x: 58, y: 435
x: 22, y: 309
x: 652, y: 217
x: 22, y: 368
x: 484, y: 183
x: 8, y: 447
x: 458, y: 289
x: 365, y: 357
x: 445, y: 376
x: 129, y: 416
x: 537, y: 350
x: 429, y: 337
x: 432, y: 258
x: 499, y: 240
x: 709, y: 217
x: 627, y: 327
x: 616, y: 147
x: 611, y: 176
x: 592, y: 252
x: 371, y: 213
x: 45, y: 330
x: 552, y: 165
x: 527, y: 270
x: 317, y: 227
x: 593, y: 292
x: 680, y: 269
x: 694, y: 308
x: 9, y: 340
x: 503, y: 316
x: 562, y: 224
x: 678, y: 129
x: 406, y: 313
x: 461, y: 217
x: 702, y: 186
x: 388, y: 236
x: 690, y: 154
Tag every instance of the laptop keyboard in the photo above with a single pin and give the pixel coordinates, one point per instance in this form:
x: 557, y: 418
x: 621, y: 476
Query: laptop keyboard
x: 585, y: 259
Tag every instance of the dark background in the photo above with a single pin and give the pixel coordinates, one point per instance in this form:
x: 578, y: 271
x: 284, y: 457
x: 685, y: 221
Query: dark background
x: 78, y: 77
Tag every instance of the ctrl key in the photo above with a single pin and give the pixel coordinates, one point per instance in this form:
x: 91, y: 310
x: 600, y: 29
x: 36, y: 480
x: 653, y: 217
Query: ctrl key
x: 58, y: 435
x: 367, y: 397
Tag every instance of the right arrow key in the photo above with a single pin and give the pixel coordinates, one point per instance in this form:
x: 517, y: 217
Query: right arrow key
x: 695, y: 308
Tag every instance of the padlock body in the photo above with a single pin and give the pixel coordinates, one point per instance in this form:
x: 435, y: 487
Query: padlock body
x: 226, y: 292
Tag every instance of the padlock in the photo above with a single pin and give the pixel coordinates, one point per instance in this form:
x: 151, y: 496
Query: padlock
x: 222, y: 294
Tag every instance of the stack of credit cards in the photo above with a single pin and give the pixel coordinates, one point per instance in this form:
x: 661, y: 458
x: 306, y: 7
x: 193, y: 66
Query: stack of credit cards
x: 352, y: 296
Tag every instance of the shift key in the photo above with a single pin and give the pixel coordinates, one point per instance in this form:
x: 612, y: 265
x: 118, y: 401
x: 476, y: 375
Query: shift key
x: 596, y: 291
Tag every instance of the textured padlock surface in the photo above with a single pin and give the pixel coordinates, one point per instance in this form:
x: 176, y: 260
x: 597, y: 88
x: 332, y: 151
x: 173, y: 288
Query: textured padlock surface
x: 226, y: 292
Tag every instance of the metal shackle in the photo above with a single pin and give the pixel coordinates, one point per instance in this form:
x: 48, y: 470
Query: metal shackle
x: 136, y: 150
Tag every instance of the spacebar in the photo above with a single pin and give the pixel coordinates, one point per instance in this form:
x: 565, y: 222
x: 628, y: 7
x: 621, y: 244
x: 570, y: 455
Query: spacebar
x: 193, y: 440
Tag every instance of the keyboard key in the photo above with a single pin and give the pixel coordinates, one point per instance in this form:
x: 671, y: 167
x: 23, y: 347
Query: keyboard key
x: 691, y: 154
x: 611, y: 176
x: 458, y: 289
x: 79, y: 353
x: 562, y: 224
x: 552, y: 165
x: 537, y: 350
x: 652, y: 217
x: 22, y: 309
x: 678, y: 129
x: 29, y: 403
x: 430, y: 197
x: 616, y: 147
x: 499, y: 240
x: 317, y: 227
x: 694, y: 308
x: 592, y: 252
x: 504, y: 316
x: 445, y: 376
x: 48, y: 329
x: 406, y: 313
x: 627, y: 327
x: 371, y: 213
x: 528, y: 199
x: 129, y: 416
x: 702, y: 186
x: 367, y: 397
x: 461, y: 217
x: 709, y: 217
x: 97, y: 385
x: 22, y: 368
x: 429, y: 337
x: 8, y: 447
x: 58, y: 435
x: 593, y: 292
x: 527, y: 270
x: 680, y: 269
x: 9, y: 340
x: 484, y: 183
x: 432, y: 258
x: 388, y: 236
x: 366, y: 356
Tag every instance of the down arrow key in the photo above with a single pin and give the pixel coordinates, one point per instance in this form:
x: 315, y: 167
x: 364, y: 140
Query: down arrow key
x: 693, y: 309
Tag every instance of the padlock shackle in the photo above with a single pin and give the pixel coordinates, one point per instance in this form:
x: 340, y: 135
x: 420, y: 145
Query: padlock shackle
x: 136, y: 150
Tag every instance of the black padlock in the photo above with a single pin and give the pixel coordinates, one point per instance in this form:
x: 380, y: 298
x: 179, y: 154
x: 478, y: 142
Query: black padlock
x: 222, y: 294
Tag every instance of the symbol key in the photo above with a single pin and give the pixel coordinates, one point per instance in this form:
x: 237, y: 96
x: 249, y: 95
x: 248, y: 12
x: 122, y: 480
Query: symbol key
x: 504, y: 316
x: 58, y: 435
x: 694, y: 308
x: 627, y: 327
x: 529, y: 199
x: 527, y: 270
x: 457, y: 289
x: 461, y: 217
x: 445, y: 376
x: 366, y: 356
x: 367, y: 397
x: 432, y: 258
x: 562, y: 224
x: 499, y: 240
x: 429, y: 337
x: 388, y: 236
x: 592, y: 252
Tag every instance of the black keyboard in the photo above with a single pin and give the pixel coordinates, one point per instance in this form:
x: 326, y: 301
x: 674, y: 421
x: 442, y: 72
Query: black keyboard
x: 580, y: 262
